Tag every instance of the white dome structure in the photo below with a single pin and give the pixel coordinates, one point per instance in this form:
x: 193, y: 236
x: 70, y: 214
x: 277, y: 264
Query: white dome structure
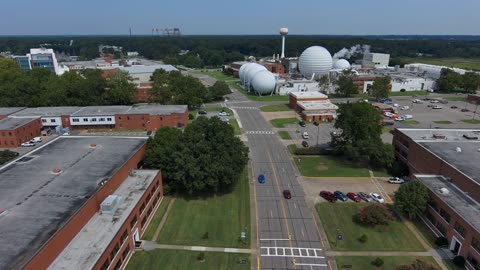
x: 263, y: 82
x: 243, y: 69
x: 341, y: 64
x: 315, y: 60
x: 249, y: 72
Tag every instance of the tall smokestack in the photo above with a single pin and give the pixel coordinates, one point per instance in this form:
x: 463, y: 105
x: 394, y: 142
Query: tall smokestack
x: 283, y: 32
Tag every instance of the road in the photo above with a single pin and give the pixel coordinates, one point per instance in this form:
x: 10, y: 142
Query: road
x: 288, y: 237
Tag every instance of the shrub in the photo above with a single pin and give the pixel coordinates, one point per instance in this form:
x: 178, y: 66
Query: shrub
x: 441, y: 241
x: 459, y: 261
x: 190, y: 116
x: 417, y: 265
x: 312, y: 151
x: 363, y: 239
x: 402, y: 90
x: 377, y: 262
x: 205, y: 236
x: 201, y: 257
x: 375, y: 214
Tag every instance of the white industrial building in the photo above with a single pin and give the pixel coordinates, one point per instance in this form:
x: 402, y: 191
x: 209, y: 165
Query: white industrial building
x: 431, y: 71
x: 376, y: 60
x: 142, y: 74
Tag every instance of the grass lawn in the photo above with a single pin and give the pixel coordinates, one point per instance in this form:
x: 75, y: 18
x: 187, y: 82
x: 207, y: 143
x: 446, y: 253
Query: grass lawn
x: 325, y: 166
x: 471, y: 121
x: 224, y: 217
x: 235, y: 126
x: 411, y: 122
x: 218, y: 75
x: 456, y: 98
x: 255, y: 97
x: 365, y: 263
x: 284, y: 135
x: 275, y: 108
x: 381, y: 173
x: 148, y: 235
x: 291, y: 148
x: 343, y: 216
x: 386, y: 129
x: 466, y: 63
x: 186, y: 260
x: 442, y: 122
x: 281, y: 122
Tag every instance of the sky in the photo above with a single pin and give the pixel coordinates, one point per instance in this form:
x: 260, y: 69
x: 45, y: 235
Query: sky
x: 255, y: 17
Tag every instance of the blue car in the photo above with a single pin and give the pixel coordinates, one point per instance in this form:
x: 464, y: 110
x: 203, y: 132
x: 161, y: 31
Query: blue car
x: 261, y: 178
x: 340, y: 195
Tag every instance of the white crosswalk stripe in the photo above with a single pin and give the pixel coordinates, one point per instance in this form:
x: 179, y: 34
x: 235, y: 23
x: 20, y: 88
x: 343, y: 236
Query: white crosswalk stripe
x: 291, y: 252
x: 260, y: 132
x: 244, y: 108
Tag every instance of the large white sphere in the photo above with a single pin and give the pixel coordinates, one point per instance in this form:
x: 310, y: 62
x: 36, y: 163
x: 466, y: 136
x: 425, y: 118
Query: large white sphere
x: 241, y: 71
x: 251, y: 71
x: 264, y: 82
x: 315, y: 60
x: 341, y: 64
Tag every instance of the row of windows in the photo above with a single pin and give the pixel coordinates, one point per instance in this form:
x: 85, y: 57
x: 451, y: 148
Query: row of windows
x: 6, y: 143
x: 460, y: 229
x: 476, y: 244
x: 120, y: 261
x: 445, y: 215
x: 51, y: 120
x: 473, y: 261
x: 102, y: 119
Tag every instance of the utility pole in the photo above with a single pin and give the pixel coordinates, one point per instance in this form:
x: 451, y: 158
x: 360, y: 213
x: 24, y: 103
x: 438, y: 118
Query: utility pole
x: 475, y: 112
x: 318, y: 130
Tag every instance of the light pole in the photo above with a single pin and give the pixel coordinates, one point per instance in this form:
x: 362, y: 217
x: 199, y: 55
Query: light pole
x: 318, y: 130
x: 473, y: 116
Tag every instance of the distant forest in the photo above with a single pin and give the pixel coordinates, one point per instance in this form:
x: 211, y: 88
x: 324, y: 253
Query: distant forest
x: 217, y: 50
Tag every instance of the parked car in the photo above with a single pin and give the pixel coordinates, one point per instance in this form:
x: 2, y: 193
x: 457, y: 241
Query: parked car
x: 408, y: 116
x: 340, y: 195
x: 305, y: 144
x: 202, y: 112
x: 404, y: 108
x: 399, y: 118
x: 396, y: 180
x: 364, y: 196
x: 287, y: 194
x: 305, y: 135
x: 302, y: 124
x: 437, y: 107
x: 377, y: 197
x: 261, y: 178
x: 434, y: 101
x: 465, y: 110
x: 352, y: 196
x: 388, y: 114
x: 327, y: 195
x: 27, y: 144
x: 417, y: 101
x: 396, y: 105
x: 430, y: 105
x: 388, y: 123
x: 453, y: 107
x: 223, y: 114
x: 37, y: 139
x: 393, y: 116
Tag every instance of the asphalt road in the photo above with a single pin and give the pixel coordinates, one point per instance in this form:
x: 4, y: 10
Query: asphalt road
x: 288, y: 237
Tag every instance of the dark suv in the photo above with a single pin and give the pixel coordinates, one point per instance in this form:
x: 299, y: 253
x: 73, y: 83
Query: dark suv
x: 327, y: 195
x: 340, y: 195
x: 287, y: 194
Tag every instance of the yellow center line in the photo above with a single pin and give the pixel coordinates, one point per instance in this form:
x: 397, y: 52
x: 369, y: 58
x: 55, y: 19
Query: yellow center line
x: 282, y: 203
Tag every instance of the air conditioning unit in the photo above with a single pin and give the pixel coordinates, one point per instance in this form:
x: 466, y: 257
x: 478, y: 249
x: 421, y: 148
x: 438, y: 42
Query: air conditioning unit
x: 110, y: 204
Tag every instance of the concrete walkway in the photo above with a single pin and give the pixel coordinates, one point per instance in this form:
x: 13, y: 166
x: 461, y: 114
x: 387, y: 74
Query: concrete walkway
x: 378, y: 253
x: 164, y: 219
x: 150, y: 245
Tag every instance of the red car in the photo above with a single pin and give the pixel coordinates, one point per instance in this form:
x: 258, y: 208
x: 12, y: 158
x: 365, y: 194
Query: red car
x: 287, y: 194
x: 305, y: 144
x: 327, y: 195
x: 352, y: 196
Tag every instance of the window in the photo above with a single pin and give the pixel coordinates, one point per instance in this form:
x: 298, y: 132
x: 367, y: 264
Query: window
x: 125, y: 252
x: 3, y: 134
x: 460, y: 229
x: 144, y: 220
x: 473, y: 261
x: 142, y: 207
x: 118, y: 265
x: 109, y: 119
x: 94, y: 120
x: 75, y: 120
x: 445, y: 215
x: 134, y: 220
x: 9, y: 133
x: 44, y: 120
x: 441, y: 228
x: 161, y: 118
x: 433, y: 204
x: 476, y: 244
x: 128, y: 117
x: 124, y: 236
x: 101, y: 119
x: 85, y: 119
x: 114, y: 251
x: 120, y: 117
x: 105, y: 265
x: 149, y: 197
x: 53, y: 120
x: 149, y: 210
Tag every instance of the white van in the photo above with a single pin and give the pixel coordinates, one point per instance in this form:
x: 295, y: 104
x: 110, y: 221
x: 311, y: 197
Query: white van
x: 408, y: 116
x: 37, y: 139
x: 305, y: 135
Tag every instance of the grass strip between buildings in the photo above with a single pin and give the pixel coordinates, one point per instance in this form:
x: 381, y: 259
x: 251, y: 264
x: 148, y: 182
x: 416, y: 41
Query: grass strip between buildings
x: 281, y: 122
x: 152, y: 227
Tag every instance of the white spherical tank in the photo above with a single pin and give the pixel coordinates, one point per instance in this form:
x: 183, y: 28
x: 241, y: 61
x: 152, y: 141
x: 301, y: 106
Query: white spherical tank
x: 250, y: 72
x: 341, y: 64
x: 283, y: 31
x: 315, y: 60
x: 242, y: 70
x: 264, y: 82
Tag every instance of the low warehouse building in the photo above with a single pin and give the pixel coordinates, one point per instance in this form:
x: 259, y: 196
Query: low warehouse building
x: 15, y: 131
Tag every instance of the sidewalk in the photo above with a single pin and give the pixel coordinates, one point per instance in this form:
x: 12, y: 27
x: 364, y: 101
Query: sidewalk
x: 164, y: 219
x: 149, y: 245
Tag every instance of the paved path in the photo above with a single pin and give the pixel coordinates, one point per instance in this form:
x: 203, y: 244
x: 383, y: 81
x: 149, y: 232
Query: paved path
x: 164, y: 219
x: 150, y: 245
x: 378, y: 253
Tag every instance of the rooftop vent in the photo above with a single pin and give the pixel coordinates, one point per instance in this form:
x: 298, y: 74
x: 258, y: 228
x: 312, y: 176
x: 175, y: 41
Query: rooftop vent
x: 93, y: 145
x: 469, y: 137
x: 458, y: 149
x: 444, y: 191
x: 439, y: 136
x: 56, y: 170
x: 110, y: 204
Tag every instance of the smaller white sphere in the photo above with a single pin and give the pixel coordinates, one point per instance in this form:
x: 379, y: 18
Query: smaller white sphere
x: 283, y: 31
x: 341, y: 64
x: 264, y: 82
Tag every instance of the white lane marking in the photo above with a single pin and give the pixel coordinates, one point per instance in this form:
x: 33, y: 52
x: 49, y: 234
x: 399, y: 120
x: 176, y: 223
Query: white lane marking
x: 271, y: 213
x: 198, y: 248
x: 311, y: 264
x: 289, y: 252
x: 303, y: 233
x: 295, y: 205
x: 262, y: 132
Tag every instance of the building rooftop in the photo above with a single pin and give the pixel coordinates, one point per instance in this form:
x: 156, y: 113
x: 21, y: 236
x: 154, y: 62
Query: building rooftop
x: 446, y: 143
x: 101, y: 110
x: 317, y: 105
x: 88, y: 246
x: 147, y: 69
x: 10, y: 123
x: 157, y: 109
x: 35, y: 202
x: 46, y: 111
x: 463, y: 204
x: 10, y: 110
x: 312, y: 94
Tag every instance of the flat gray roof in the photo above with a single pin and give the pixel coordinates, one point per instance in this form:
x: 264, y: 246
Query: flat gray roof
x: 147, y: 69
x: 463, y: 204
x: 37, y: 202
x: 10, y: 110
x: 46, y: 111
x: 157, y: 109
x: 101, y: 110
x: 89, y: 244
x: 445, y: 142
x: 10, y: 123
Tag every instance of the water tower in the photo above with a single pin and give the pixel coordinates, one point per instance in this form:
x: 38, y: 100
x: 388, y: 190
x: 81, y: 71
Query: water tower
x: 283, y: 32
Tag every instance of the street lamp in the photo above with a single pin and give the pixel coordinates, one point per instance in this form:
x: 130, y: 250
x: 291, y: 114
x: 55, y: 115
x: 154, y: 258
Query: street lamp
x: 318, y: 129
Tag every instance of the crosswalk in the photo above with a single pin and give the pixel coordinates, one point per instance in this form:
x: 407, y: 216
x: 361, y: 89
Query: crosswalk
x: 291, y: 252
x: 244, y: 108
x: 262, y: 132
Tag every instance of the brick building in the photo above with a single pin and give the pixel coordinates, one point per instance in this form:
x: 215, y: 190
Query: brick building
x: 149, y: 117
x: 15, y: 131
x: 446, y: 161
x: 76, y: 203
x: 6, y: 111
x: 312, y: 106
x: 142, y: 92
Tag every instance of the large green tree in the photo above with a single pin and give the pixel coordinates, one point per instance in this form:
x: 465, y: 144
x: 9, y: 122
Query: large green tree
x: 412, y: 199
x: 471, y: 82
x: 120, y: 89
x: 346, y: 88
x: 381, y: 87
x: 449, y: 81
x: 218, y: 90
x: 206, y: 158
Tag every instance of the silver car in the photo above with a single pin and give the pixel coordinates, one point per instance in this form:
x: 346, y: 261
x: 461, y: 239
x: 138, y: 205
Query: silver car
x: 364, y: 196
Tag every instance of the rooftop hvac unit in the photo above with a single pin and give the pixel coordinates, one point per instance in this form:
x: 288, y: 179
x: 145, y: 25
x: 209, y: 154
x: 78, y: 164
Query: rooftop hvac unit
x: 444, y: 191
x: 110, y: 204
